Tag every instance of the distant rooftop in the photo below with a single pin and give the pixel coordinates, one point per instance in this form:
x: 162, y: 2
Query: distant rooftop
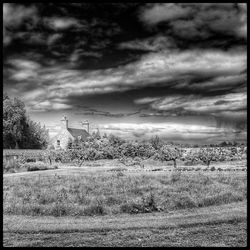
x: 77, y: 132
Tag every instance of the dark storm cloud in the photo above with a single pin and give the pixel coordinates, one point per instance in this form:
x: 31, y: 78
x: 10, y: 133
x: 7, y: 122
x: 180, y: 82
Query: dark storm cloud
x: 174, y: 70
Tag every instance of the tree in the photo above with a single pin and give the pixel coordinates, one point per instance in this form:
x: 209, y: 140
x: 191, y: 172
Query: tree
x: 18, y: 130
x: 168, y: 153
x: 210, y: 154
x: 156, y: 142
x: 115, y: 140
x: 96, y: 135
x: 35, y: 136
x: 14, y: 120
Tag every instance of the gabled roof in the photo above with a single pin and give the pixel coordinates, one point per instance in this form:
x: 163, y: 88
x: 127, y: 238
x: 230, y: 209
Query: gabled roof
x: 77, y: 132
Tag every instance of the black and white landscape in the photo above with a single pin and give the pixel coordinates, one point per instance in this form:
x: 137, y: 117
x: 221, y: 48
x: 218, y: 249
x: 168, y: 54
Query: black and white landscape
x: 117, y: 100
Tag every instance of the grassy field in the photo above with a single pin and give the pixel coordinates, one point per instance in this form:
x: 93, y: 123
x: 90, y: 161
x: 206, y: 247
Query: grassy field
x: 223, y: 225
x: 97, y: 193
x: 106, y: 208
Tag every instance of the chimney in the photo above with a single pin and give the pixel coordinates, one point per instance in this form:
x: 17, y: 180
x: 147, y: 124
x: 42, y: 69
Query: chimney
x: 86, y: 123
x: 64, y: 122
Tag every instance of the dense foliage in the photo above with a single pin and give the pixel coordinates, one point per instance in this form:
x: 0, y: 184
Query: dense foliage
x: 18, y: 130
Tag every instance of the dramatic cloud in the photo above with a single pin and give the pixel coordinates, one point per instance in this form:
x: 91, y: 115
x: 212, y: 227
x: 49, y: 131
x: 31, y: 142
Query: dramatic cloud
x: 156, y: 68
x: 198, y: 104
x: 131, y: 64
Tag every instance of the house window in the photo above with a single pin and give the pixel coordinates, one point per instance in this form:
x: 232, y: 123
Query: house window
x: 58, y: 142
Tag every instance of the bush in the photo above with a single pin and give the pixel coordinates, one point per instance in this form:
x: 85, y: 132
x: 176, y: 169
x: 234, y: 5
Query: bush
x: 132, y: 208
x: 184, y: 201
x: 36, y: 166
x: 96, y: 208
x: 212, y: 168
x: 147, y: 205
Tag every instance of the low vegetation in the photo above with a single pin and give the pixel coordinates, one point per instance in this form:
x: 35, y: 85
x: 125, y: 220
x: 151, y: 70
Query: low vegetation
x: 13, y: 166
x: 112, y: 193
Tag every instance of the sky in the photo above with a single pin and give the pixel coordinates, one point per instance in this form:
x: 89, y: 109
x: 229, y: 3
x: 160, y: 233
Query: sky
x: 131, y: 69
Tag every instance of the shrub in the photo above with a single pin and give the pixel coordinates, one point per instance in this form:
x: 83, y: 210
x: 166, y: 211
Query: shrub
x: 59, y: 209
x: 36, y: 166
x: 146, y: 205
x: 96, y: 208
x: 132, y: 208
x: 184, y: 201
x: 212, y: 168
x: 149, y: 203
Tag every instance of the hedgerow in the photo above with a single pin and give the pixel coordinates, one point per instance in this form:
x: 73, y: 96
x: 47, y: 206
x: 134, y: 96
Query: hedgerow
x: 113, y: 147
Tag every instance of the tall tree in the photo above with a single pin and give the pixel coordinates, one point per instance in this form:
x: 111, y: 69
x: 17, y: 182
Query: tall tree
x: 13, y: 122
x: 18, y: 130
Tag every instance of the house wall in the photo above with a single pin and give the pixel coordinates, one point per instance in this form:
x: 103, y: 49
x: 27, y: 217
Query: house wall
x: 64, y: 136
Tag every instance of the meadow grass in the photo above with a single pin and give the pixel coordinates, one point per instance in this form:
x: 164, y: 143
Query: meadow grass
x: 115, y: 193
